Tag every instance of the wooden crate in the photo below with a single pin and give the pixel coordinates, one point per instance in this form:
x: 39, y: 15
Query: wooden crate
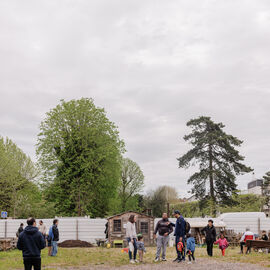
x: 8, y: 243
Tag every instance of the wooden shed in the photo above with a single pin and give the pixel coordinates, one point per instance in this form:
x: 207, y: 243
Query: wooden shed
x: 144, y: 225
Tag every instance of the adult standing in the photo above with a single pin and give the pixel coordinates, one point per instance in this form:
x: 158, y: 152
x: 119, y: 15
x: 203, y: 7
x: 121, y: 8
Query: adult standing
x: 248, y: 235
x: 132, y: 238
x: 31, y: 242
x: 210, y: 236
x: 164, y: 228
x: 180, y: 232
x: 55, y: 237
x: 42, y: 228
x: 19, y: 230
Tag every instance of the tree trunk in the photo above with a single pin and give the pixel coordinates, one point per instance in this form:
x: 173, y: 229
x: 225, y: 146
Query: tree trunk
x: 79, y: 204
x: 211, y: 180
x: 124, y: 200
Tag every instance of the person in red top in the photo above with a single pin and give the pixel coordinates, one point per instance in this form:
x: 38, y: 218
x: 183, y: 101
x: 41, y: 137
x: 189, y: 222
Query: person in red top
x: 223, y: 243
x: 181, y: 248
x: 248, y: 235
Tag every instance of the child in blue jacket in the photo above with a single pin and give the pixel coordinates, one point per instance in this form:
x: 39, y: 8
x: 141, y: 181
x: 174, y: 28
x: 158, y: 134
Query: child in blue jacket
x: 190, y: 247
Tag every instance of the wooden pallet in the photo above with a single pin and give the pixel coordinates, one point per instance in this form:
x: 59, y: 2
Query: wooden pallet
x: 8, y: 243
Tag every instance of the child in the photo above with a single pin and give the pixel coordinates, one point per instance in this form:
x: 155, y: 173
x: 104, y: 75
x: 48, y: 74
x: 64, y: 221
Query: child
x: 223, y: 243
x: 180, y: 248
x: 141, y: 248
x: 190, y: 247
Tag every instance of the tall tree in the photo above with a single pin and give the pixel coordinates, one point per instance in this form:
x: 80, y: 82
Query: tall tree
x: 266, y: 189
x: 17, y: 173
x: 218, y: 159
x: 79, y: 151
x: 132, y: 181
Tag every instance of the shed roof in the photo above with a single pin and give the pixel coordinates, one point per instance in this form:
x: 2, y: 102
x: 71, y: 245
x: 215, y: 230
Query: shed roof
x: 120, y: 214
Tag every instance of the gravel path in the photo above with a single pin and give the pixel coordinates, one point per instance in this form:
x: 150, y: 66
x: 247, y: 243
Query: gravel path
x: 201, y: 264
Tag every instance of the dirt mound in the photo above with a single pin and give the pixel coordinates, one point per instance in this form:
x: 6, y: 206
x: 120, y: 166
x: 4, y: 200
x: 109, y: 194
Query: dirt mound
x: 74, y: 243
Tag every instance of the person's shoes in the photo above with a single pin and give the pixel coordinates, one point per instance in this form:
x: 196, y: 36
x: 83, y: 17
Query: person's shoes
x: 156, y: 260
x: 176, y: 260
x: 189, y: 262
x: 164, y: 259
x: 179, y: 261
x: 136, y: 261
x: 132, y: 261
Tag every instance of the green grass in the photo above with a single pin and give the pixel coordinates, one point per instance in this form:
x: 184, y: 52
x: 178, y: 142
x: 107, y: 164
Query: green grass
x: 77, y: 257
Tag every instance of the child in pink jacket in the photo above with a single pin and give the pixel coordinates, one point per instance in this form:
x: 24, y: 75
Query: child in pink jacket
x: 223, y: 243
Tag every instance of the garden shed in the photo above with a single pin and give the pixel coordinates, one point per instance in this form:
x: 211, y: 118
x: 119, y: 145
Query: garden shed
x: 144, y: 225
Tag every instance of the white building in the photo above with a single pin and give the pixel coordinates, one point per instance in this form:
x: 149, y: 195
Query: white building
x: 255, y: 187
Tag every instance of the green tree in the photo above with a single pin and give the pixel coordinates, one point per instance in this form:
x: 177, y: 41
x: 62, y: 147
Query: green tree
x: 157, y: 199
x: 218, y: 159
x: 17, y: 175
x: 79, y: 152
x: 131, y: 183
x: 243, y: 203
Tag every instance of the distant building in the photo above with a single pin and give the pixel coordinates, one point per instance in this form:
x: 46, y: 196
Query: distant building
x: 192, y: 199
x: 255, y: 187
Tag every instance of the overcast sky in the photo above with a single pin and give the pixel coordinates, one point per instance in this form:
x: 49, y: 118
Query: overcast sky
x: 153, y: 65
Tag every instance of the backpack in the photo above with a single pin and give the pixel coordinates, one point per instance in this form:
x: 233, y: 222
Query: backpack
x: 187, y: 227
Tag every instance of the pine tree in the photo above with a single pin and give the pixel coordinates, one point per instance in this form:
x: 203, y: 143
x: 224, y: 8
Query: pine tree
x: 218, y: 160
x: 266, y: 189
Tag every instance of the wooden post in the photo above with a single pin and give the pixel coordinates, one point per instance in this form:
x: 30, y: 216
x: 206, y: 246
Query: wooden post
x: 77, y: 229
x: 168, y: 209
x: 6, y: 229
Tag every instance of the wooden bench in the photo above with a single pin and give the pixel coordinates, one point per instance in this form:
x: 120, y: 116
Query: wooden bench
x: 258, y: 244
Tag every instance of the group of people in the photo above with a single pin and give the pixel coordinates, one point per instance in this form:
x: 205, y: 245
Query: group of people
x: 249, y: 235
x: 32, y: 239
x: 184, y: 242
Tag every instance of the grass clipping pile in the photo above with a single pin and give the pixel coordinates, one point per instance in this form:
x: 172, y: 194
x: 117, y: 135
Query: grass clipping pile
x: 75, y: 243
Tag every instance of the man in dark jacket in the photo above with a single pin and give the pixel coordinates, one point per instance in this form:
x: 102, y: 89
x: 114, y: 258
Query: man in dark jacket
x: 164, y: 227
x: 55, y: 237
x: 210, y: 236
x: 31, y: 242
x: 180, y: 232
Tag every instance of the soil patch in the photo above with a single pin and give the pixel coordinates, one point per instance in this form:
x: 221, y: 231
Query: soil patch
x: 75, y: 243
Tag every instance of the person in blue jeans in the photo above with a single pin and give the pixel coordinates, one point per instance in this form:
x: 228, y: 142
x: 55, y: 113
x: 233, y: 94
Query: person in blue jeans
x: 131, y: 236
x: 190, y: 247
x: 180, y: 232
x: 54, y: 235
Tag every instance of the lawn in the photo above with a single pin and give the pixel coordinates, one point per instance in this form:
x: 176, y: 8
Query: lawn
x: 114, y: 257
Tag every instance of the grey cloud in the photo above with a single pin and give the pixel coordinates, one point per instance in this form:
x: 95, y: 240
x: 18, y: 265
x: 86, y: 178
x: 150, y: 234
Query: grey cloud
x: 153, y: 65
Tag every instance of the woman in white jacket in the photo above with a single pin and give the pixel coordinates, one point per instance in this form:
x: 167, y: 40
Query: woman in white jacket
x: 132, y: 237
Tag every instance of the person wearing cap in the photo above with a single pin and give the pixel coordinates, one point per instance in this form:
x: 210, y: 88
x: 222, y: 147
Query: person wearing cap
x: 210, y: 236
x: 180, y: 232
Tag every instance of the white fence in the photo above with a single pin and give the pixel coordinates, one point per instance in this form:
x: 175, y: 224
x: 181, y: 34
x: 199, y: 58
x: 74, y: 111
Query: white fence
x: 239, y: 221
x: 85, y: 229
x: 89, y: 230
